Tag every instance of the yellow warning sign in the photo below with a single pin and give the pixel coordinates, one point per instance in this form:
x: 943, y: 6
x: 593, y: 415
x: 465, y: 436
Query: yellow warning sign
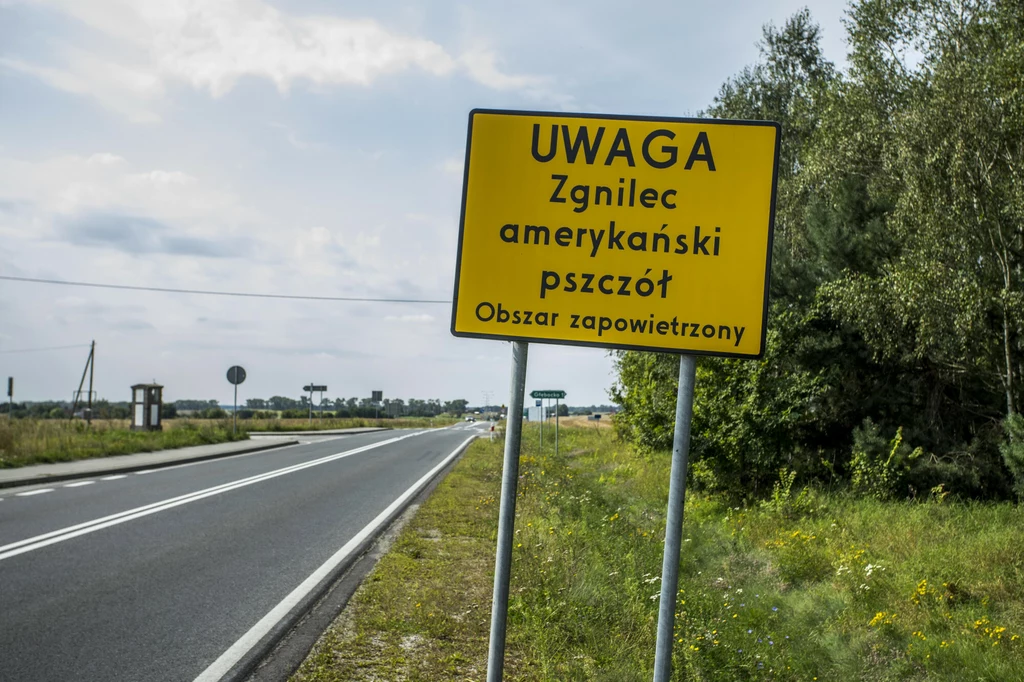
x: 617, y: 232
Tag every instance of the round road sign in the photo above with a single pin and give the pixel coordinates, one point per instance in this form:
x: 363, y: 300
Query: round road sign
x: 236, y: 375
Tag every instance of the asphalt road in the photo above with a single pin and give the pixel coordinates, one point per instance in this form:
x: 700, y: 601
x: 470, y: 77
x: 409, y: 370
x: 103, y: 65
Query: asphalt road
x: 171, y: 574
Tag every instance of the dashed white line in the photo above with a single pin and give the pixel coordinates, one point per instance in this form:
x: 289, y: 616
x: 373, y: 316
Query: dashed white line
x: 147, y: 471
x: 113, y: 478
x: 34, y: 492
x: 78, y: 484
x: 30, y: 544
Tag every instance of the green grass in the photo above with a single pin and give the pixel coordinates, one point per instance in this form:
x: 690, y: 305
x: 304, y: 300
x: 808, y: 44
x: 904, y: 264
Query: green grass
x: 38, y: 441
x: 812, y: 586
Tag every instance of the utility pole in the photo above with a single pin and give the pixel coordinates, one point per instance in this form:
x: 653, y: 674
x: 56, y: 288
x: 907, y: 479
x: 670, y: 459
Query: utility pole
x: 92, y: 368
x: 78, y: 394
x: 10, y: 397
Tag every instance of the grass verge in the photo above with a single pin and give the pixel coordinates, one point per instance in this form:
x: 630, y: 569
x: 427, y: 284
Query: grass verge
x: 804, y: 587
x: 39, y: 441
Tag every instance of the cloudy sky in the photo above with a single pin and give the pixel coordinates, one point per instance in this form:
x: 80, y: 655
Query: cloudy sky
x: 304, y: 147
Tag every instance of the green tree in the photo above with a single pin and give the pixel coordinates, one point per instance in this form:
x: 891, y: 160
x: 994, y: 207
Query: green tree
x: 897, y: 266
x: 954, y: 157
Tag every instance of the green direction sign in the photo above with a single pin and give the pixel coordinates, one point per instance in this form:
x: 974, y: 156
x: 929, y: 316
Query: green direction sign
x: 559, y: 395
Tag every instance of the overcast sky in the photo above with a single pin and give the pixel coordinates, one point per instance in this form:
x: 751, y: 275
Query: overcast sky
x: 305, y: 147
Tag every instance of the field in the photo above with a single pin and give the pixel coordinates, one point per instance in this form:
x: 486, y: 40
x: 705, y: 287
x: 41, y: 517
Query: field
x: 605, y: 422
x: 39, y: 441
x: 805, y: 586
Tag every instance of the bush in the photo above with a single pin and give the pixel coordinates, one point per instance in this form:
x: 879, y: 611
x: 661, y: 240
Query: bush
x: 1013, y: 451
x: 880, y: 469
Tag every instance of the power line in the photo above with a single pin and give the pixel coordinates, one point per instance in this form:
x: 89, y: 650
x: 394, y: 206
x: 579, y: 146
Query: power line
x: 33, y: 350
x: 204, y: 292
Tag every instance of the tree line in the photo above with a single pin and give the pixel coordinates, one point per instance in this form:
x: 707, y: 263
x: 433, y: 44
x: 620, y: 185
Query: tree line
x: 255, y: 408
x: 895, y: 351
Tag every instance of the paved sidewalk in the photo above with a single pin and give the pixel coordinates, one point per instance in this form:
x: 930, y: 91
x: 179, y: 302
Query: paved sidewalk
x: 62, y: 471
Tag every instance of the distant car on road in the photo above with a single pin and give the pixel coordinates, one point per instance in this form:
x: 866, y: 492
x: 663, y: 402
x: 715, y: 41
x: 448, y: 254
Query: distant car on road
x: 471, y: 419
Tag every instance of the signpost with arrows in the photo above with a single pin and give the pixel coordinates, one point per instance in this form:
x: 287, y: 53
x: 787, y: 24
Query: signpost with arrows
x: 312, y: 388
x: 549, y: 395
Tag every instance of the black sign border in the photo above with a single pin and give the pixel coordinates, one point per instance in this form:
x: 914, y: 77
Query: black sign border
x: 620, y: 346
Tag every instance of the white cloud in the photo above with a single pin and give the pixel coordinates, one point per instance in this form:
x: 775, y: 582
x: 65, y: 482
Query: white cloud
x: 452, y: 166
x: 122, y: 89
x: 423, y: 318
x: 105, y: 159
x: 483, y: 67
x: 211, y: 45
x: 65, y: 190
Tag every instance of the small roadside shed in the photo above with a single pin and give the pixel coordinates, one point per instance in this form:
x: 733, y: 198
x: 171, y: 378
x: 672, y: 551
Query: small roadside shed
x: 147, y: 399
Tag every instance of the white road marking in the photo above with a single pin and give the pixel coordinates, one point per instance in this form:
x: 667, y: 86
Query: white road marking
x: 147, y: 471
x: 53, y: 537
x: 234, y: 654
x: 78, y: 484
x: 40, y: 491
x: 218, y: 460
x: 113, y: 478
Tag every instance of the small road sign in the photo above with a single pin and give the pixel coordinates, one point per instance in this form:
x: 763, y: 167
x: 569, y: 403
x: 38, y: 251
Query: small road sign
x: 316, y: 388
x: 553, y: 395
x: 236, y: 375
x: 377, y: 396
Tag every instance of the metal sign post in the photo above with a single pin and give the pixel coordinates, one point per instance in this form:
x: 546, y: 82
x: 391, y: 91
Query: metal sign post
x: 10, y: 397
x: 311, y: 388
x: 674, y: 519
x: 541, y: 396
x: 236, y: 375
x: 507, y: 513
x: 540, y: 404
